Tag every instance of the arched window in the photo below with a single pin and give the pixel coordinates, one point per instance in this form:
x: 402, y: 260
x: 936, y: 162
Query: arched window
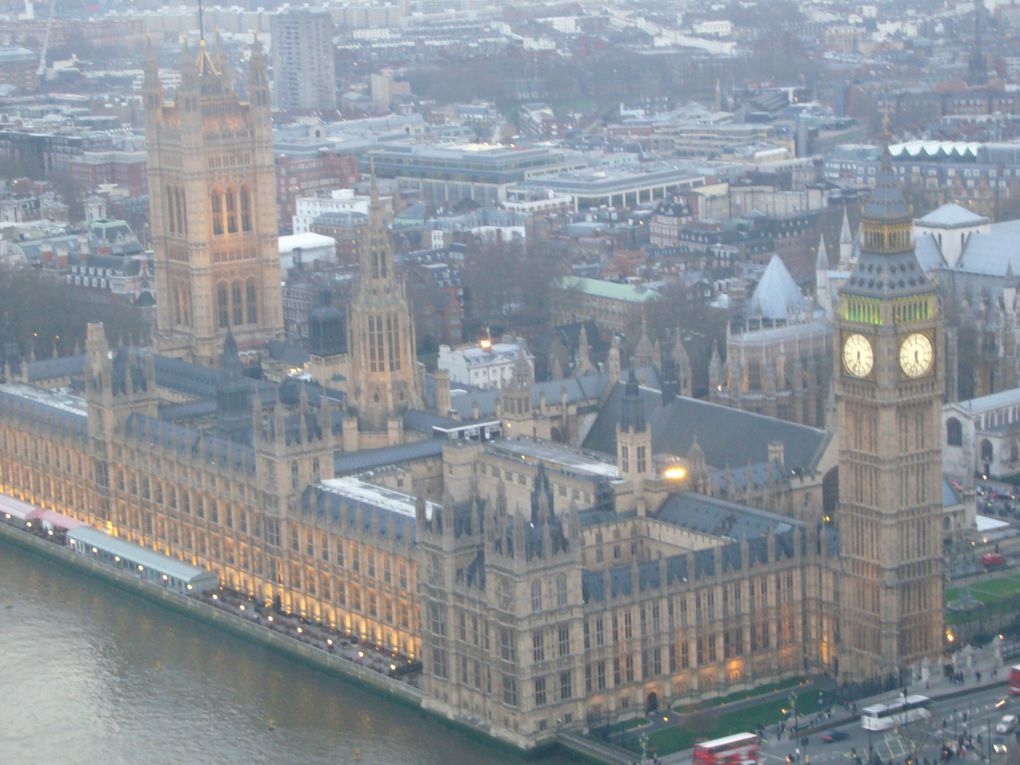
x: 217, y: 213
x: 252, y: 302
x: 561, y: 590
x: 231, y: 212
x: 536, y: 597
x: 182, y: 303
x: 245, y: 210
x: 236, y: 305
x: 170, y: 218
x: 987, y: 453
x: 222, y: 308
x: 954, y: 432
x: 176, y: 301
x: 182, y: 211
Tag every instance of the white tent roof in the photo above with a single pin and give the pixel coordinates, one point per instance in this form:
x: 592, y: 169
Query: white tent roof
x: 777, y: 296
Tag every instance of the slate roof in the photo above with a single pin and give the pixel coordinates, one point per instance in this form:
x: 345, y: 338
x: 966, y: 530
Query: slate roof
x: 950, y: 497
x: 585, y: 388
x: 728, y: 437
x: 777, y: 295
x: 718, y: 517
x: 928, y: 253
x: 325, y: 503
x: 951, y: 216
x: 994, y: 252
x: 620, y: 580
x: 421, y: 421
x: 188, y: 410
x: 201, y: 444
x: 358, y: 462
x: 62, y: 419
x: 64, y: 366
x: 598, y: 516
x: 184, y: 377
x: 887, y: 275
x: 287, y: 352
x: 886, y: 201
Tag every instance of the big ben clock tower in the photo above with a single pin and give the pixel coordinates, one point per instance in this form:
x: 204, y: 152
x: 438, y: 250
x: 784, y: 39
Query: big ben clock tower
x: 889, y: 387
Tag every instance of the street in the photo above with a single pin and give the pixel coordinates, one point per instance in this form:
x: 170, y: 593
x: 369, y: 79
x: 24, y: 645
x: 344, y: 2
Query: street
x: 975, y: 713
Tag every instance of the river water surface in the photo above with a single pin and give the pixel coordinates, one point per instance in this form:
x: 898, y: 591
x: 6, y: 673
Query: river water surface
x: 90, y: 675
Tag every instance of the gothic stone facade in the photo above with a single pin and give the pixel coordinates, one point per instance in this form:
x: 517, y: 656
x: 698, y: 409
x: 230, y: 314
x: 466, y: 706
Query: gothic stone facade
x: 213, y: 208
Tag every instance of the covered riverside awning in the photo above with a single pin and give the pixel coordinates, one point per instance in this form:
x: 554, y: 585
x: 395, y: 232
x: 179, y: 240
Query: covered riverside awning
x: 15, y: 509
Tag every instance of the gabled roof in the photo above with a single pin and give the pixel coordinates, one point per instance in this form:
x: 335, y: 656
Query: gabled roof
x: 928, y: 253
x: 720, y: 518
x: 728, y: 437
x: 777, y: 296
x: 992, y: 253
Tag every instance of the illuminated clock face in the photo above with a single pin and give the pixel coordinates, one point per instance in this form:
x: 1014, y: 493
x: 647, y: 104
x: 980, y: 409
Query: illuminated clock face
x: 916, y: 355
x: 858, y: 358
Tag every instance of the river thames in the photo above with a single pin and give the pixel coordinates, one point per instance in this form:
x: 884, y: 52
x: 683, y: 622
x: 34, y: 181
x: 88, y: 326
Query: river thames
x: 90, y: 675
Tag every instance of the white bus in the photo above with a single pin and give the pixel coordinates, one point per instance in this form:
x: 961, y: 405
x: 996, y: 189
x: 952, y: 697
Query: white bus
x: 899, y: 712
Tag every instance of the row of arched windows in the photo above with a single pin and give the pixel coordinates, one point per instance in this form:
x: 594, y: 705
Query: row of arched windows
x: 231, y: 210
x: 954, y: 437
x: 176, y: 211
x: 236, y: 303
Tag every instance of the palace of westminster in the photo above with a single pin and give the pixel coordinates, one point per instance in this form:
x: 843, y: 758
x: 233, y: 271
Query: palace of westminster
x: 553, y: 553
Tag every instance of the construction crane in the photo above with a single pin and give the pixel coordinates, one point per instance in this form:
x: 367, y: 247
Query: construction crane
x: 46, y: 44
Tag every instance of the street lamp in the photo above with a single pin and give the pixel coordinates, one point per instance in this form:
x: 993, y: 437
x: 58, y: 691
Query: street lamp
x: 988, y: 735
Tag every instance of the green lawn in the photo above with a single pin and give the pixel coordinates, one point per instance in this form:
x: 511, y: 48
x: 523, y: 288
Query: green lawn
x: 988, y: 590
x: 741, y: 695
x: 996, y: 596
x: 712, y: 723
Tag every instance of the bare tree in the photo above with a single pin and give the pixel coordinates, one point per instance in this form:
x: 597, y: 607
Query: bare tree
x: 49, y: 317
x: 508, y: 283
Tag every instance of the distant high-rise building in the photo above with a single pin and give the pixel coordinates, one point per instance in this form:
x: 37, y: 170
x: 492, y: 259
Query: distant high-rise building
x: 213, y: 211
x: 304, y: 76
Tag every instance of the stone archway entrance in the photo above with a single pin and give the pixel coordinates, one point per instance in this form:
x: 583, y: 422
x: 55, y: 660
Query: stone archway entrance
x: 652, y: 702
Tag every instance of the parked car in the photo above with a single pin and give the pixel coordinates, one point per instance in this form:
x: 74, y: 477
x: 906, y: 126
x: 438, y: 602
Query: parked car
x: 1006, y: 725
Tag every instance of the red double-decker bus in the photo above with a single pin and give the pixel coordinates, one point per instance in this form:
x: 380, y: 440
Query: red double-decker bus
x: 738, y: 749
x: 1014, y: 680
